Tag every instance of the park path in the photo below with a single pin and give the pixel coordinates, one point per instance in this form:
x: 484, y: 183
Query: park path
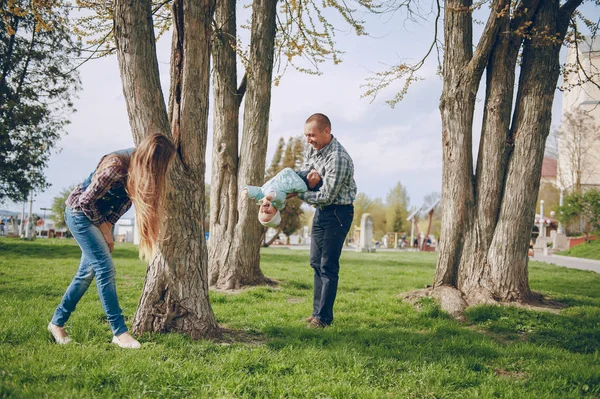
x: 568, y: 261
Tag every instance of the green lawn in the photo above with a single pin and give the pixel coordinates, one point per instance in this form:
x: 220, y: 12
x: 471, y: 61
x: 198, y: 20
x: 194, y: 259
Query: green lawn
x: 378, y: 346
x: 588, y: 250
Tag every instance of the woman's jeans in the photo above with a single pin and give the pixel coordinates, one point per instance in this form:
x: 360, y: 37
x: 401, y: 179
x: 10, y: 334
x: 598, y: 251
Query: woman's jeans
x: 95, y: 261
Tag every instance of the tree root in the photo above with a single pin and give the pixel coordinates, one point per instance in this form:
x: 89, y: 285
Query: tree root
x: 454, y: 302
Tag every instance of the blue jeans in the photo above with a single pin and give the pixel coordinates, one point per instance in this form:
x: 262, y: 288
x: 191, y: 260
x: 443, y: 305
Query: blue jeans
x: 95, y: 261
x: 330, y: 226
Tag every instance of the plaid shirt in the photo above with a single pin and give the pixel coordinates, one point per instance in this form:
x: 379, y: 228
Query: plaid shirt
x: 88, y: 200
x: 337, y: 171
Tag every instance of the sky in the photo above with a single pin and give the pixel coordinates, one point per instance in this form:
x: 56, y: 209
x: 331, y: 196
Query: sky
x: 387, y: 145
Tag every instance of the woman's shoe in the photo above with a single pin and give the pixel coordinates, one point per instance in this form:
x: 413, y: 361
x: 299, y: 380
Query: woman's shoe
x: 126, y: 341
x: 56, y: 334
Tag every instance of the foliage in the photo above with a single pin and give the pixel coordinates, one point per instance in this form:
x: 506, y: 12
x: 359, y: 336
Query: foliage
x: 387, y: 217
x: 378, y: 346
x: 305, y: 35
x: 577, y: 139
x: 585, y: 206
x: 58, y: 207
x: 96, y: 25
x: 37, y: 82
x: 407, y: 73
x: 397, y: 204
x: 551, y: 196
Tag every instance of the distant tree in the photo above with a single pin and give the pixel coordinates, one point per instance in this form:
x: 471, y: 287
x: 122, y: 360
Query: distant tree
x: 37, y: 82
x: 58, y: 207
x: 275, y: 165
x: 397, y: 204
x: 585, y: 206
x: 362, y: 204
x: 551, y: 196
x: 378, y: 214
x: 577, y: 140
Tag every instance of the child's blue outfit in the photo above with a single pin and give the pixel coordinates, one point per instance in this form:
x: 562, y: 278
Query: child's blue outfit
x: 285, y: 182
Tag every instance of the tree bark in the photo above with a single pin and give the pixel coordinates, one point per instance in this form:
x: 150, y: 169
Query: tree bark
x: 175, y: 296
x: 494, y: 150
x: 457, y: 105
x: 138, y: 64
x: 530, y: 128
x: 487, y: 217
x: 239, y: 264
x: 224, y: 185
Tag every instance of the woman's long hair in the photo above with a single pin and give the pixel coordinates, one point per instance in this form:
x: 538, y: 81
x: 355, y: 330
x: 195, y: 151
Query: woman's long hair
x: 146, y: 186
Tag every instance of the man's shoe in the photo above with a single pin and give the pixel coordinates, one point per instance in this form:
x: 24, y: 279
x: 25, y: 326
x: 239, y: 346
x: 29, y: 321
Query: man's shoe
x: 56, y: 334
x: 126, y: 341
x: 316, y: 323
x: 309, y: 319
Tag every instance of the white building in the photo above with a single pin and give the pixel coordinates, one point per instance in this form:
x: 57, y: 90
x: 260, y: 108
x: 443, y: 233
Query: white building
x: 585, y: 97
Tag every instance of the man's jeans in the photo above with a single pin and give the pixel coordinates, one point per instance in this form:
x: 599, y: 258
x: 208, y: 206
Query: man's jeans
x: 95, y: 261
x: 330, y: 226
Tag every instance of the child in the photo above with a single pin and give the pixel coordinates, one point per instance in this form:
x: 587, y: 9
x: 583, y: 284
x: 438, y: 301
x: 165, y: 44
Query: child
x: 274, y: 192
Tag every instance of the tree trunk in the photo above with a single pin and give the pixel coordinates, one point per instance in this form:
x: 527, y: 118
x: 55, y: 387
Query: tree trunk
x: 239, y: 264
x: 494, y: 149
x: 224, y: 185
x: 457, y: 105
x: 175, y: 296
x: 530, y: 128
x: 487, y: 218
x: 136, y: 53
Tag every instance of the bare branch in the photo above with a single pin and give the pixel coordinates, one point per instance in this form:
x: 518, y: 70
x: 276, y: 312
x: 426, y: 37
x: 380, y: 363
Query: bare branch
x: 500, y: 11
x: 242, y: 89
x: 382, y: 80
x: 570, y: 6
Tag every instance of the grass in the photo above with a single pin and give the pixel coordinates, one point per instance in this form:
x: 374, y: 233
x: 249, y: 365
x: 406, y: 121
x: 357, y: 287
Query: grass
x: 588, y: 250
x: 378, y: 347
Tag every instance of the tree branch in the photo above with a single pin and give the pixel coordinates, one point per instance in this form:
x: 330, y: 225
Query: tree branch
x: 570, y: 6
x: 565, y: 13
x: 500, y: 11
x: 242, y: 89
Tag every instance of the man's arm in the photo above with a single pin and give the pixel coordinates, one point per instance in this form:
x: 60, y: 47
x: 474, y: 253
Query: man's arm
x: 337, y: 172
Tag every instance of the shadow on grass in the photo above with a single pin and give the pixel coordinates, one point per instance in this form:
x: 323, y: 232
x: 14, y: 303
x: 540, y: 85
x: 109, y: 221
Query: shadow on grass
x: 574, y: 329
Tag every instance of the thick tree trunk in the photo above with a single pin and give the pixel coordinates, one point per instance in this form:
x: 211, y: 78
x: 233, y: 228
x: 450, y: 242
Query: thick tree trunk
x: 457, y: 105
x: 494, y: 149
x: 530, y: 128
x: 487, y: 218
x: 224, y: 185
x: 175, y: 296
x: 136, y: 53
x: 242, y: 262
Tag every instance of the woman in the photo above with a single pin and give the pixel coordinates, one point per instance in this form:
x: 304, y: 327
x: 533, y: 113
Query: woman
x: 137, y: 175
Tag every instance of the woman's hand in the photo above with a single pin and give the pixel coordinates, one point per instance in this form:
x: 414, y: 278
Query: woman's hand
x: 106, y: 229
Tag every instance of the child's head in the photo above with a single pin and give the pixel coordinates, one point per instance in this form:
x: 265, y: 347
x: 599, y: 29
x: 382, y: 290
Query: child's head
x: 268, y: 215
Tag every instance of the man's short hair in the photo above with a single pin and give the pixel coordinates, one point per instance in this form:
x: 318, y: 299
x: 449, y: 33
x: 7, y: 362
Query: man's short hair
x: 321, y: 119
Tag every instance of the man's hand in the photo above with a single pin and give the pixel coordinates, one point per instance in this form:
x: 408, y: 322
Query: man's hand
x: 313, y: 178
x: 106, y: 229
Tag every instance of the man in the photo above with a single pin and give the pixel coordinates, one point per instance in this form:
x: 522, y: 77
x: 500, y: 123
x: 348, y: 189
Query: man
x: 334, y: 212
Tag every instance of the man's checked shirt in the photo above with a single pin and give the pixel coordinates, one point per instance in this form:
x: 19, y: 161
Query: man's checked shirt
x: 337, y: 172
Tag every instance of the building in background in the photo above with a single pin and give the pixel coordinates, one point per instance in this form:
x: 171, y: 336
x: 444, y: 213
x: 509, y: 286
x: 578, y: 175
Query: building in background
x: 583, y: 97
